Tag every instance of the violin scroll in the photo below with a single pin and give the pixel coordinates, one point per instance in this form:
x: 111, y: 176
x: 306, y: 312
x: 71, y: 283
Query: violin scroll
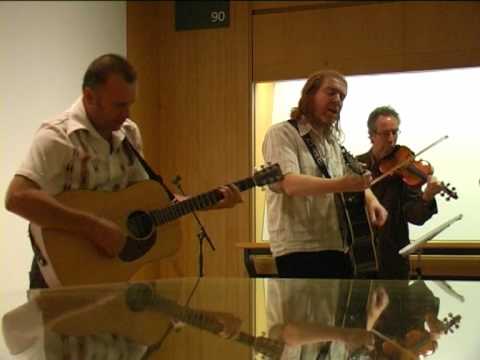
x: 448, y: 192
x: 451, y: 322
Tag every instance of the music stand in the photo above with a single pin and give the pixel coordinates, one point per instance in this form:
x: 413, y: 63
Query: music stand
x: 418, y: 245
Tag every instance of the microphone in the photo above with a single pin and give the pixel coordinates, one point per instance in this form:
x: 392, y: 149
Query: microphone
x: 202, y: 234
x: 176, y: 180
x: 139, y: 297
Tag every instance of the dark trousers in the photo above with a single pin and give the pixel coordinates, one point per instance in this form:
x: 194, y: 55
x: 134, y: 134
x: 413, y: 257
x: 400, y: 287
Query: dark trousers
x: 321, y: 264
x: 36, y: 278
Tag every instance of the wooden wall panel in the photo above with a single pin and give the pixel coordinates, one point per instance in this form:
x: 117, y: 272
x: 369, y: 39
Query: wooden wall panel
x: 369, y: 38
x: 193, y: 108
x: 194, y: 111
x: 284, y: 5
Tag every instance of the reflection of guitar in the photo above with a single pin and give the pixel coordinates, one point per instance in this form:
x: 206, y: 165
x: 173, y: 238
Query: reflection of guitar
x: 362, y: 249
x: 140, y: 297
x: 143, y: 212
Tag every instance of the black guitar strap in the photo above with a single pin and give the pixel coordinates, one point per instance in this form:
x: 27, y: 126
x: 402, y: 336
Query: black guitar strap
x: 339, y: 201
x: 151, y: 174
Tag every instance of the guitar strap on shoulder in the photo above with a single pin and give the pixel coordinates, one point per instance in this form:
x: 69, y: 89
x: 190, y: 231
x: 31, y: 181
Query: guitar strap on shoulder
x: 339, y: 201
x: 313, y: 150
x: 151, y: 174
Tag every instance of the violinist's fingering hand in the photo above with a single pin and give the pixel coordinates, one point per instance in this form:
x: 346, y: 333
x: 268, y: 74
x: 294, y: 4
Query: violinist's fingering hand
x: 433, y: 187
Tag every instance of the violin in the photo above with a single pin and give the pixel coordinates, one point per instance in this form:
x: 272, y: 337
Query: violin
x: 418, y: 342
x: 401, y: 162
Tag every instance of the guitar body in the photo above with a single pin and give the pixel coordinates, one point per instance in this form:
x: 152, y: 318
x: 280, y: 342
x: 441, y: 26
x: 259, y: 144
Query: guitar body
x: 362, y: 249
x: 72, y: 260
x: 147, y: 218
x: 95, y: 310
x: 356, y: 303
x: 140, y: 312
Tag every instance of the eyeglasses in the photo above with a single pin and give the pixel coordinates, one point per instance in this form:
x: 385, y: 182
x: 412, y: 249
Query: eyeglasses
x: 386, y: 133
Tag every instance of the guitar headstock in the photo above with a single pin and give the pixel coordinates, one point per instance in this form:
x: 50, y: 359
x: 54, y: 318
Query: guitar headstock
x: 270, y: 348
x: 356, y: 166
x: 267, y: 175
x: 448, y: 193
x: 451, y: 322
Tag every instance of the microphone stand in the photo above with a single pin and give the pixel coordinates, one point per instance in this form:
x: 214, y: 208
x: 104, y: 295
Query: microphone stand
x: 418, y: 270
x: 201, y: 235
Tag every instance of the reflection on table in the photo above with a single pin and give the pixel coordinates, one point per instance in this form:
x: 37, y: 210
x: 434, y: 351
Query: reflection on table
x: 208, y: 319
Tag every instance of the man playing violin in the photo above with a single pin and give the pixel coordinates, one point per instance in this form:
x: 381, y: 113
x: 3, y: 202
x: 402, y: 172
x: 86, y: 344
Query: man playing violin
x: 405, y: 204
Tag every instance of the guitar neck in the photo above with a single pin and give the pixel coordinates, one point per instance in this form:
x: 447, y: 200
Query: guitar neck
x: 199, y: 319
x: 198, y: 202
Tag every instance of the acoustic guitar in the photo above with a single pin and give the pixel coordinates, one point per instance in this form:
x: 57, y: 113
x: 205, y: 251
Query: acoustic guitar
x: 362, y: 242
x: 139, y: 312
x: 142, y: 297
x: 147, y: 219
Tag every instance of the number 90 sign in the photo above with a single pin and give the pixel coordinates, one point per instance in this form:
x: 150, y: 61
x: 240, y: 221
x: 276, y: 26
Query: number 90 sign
x: 217, y: 16
x: 192, y: 15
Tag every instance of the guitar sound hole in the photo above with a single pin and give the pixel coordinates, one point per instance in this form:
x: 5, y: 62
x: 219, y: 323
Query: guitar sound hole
x: 140, y: 225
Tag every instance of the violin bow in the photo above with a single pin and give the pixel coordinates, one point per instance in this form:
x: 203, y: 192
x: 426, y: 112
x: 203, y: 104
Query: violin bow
x: 394, y: 343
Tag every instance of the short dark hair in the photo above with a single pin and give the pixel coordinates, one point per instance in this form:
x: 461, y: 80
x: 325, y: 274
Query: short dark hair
x: 105, y: 65
x: 380, y: 111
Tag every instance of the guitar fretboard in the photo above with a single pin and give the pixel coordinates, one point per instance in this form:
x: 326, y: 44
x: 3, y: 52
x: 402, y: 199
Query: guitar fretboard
x: 204, y: 321
x: 198, y: 202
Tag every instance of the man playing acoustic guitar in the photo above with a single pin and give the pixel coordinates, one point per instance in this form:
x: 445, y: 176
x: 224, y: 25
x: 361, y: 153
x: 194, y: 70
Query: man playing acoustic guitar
x: 85, y: 148
x: 303, y: 220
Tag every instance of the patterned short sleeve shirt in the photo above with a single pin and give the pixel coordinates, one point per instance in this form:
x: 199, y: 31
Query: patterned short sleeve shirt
x: 69, y: 154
